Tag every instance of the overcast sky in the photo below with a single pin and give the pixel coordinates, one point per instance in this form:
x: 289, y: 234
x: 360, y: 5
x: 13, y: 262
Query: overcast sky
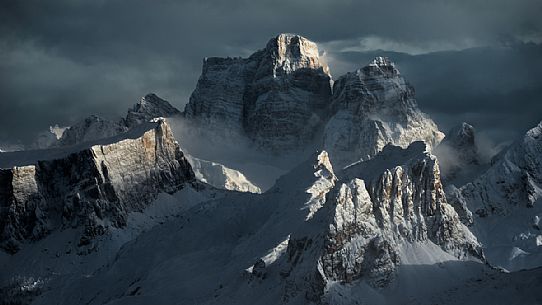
x: 65, y: 59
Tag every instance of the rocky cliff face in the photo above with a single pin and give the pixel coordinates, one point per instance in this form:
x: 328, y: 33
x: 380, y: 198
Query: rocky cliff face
x: 149, y: 107
x: 277, y: 96
x: 405, y: 202
x: 375, y: 209
x: 89, y: 186
x: 372, y: 107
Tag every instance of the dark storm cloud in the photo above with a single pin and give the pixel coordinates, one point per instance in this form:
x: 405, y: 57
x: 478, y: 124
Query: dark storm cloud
x: 61, y: 60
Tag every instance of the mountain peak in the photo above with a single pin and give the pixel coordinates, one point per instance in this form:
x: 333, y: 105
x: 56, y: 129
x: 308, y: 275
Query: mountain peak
x: 292, y: 52
x: 381, y: 61
x: 278, y: 96
x: 380, y: 107
x: 459, y: 155
x: 150, y: 106
x: 151, y: 100
x: 462, y: 135
x: 381, y: 65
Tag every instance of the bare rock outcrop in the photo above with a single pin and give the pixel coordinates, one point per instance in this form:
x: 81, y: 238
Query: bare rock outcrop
x: 367, y: 218
x: 90, y: 186
x: 277, y: 96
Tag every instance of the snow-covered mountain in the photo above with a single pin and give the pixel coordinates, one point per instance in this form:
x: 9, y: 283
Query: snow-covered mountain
x: 371, y: 221
x: 94, y: 127
x: 374, y: 106
x: 280, y: 97
x: 149, y: 107
x: 505, y: 205
x: 91, y: 187
x: 121, y: 213
x: 277, y: 96
x: 295, y: 243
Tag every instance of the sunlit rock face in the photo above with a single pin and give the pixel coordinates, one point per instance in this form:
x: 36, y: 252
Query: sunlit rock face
x: 374, y: 106
x: 374, y: 209
x: 91, y: 187
x: 397, y: 201
x: 277, y: 96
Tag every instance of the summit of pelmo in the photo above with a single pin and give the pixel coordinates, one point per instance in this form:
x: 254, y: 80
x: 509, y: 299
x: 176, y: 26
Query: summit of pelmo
x: 278, y: 97
x: 292, y: 52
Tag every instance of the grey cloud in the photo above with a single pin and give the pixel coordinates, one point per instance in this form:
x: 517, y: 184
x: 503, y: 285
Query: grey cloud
x: 62, y: 60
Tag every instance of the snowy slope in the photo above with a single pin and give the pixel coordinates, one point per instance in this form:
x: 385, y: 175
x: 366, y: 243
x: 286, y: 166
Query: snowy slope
x: 278, y: 247
x: 221, y: 176
x: 236, y: 151
x: 57, y: 258
x: 506, y: 205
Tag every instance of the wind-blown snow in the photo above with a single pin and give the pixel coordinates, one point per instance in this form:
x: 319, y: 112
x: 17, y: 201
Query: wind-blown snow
x: 221, y: 176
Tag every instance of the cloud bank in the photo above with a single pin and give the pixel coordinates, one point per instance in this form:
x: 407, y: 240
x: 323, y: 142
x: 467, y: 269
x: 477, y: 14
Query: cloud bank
x: 61, y: 60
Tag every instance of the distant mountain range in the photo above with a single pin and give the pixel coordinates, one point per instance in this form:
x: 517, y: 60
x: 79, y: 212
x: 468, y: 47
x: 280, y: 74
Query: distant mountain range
x: 275, y: 185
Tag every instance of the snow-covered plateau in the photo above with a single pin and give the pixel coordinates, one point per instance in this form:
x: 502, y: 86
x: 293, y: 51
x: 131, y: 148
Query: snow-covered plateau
x: 275, y: 185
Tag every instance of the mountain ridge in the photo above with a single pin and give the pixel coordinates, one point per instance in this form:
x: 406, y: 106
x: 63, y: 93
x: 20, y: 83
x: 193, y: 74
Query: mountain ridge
x: 364, y: 218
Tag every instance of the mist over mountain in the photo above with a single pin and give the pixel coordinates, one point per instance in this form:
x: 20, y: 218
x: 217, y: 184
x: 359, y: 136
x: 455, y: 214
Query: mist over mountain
x: 478, y: 85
